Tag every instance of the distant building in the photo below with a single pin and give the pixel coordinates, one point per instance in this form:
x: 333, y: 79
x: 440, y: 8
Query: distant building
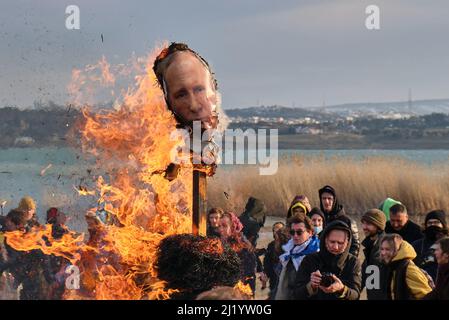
x: 23, y: 141
x: 307, y: 130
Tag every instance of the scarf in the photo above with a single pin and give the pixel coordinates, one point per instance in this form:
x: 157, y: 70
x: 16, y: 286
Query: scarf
x: 298, y: 252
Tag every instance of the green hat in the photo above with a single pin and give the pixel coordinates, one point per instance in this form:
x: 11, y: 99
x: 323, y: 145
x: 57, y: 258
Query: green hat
x: 386, y: 205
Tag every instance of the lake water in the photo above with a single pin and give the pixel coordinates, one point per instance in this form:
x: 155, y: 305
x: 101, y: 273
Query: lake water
x: 20, y: 174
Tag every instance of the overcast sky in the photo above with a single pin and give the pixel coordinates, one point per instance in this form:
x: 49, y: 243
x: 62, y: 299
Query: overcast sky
x: 292, y: 53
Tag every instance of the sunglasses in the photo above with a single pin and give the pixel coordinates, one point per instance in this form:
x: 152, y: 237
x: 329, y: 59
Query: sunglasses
x: 298, y: 232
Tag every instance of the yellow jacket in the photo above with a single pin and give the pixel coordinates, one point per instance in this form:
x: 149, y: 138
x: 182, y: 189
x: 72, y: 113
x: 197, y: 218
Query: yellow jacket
x: 416, y: 280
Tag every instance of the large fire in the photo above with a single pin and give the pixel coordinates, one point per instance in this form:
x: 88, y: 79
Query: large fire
x: 132, y: 143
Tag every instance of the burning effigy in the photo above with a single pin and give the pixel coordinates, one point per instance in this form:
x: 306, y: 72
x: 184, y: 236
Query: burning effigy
x: 146, y: 195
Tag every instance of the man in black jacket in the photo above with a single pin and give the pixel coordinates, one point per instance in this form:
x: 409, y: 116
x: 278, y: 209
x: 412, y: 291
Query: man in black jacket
x: 332, y: 273
x: 401, y: 224
x: 373, y: 270
x: 435, y: 228
x: 333, y: 210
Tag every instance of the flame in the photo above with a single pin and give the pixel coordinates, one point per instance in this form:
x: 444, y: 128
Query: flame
x: 245, y: 289
x: 83, y: 191
x: 68, y: 246
x: 132, y: 143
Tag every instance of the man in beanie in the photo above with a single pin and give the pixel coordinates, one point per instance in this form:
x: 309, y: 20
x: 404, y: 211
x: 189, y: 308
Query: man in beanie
x: 435, y: 228
x: 333, y: 210
x: 373, y: 225
x: 28, y: 206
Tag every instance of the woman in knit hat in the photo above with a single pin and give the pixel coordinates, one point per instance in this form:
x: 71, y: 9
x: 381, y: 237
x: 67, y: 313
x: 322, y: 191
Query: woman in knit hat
x: 373, y: 226
x: 435, y: 228
x: 299, y: 205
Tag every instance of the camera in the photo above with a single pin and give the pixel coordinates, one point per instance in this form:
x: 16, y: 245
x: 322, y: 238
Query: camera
x: 326, y: 279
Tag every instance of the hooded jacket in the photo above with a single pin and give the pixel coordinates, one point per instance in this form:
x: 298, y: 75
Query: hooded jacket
x: 338, y: 213
x: 253, y: 219
x: 425, y: 258
x: 405, y: 280
x: 345, y: 266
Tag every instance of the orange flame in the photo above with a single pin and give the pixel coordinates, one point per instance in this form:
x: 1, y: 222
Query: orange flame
x: 132, y: 143
x: 245, y: 289
x: 41, y: 238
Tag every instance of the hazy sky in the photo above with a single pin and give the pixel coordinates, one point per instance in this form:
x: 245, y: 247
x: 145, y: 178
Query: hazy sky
x: 268, y: 52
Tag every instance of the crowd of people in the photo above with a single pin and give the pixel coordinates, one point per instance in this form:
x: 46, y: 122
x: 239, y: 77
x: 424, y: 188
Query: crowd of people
x: 316, y: 254
x: 34, y: 275
x: 31, y: 274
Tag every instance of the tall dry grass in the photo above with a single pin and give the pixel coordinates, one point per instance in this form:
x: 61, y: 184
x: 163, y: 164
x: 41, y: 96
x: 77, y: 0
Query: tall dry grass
x: 360, y: 184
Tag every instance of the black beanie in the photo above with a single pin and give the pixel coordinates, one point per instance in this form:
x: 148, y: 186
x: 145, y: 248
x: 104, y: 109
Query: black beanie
x: 317, y: 211
x: 439, y: 215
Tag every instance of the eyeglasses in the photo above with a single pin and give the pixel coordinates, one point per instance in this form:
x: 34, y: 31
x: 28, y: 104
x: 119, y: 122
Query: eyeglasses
x: 298, y: 232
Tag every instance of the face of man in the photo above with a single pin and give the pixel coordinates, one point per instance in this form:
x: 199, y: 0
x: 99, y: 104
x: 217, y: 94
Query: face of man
x: 317, y: 220
x: 327, y: 200
x: 225, y: 228
x: 299, y: 233
x: 398, y: 220
x: 434, y: 223
x: 441, y: 257
x: 387, y: 252
x: 190, y: 91
x: 214, y: 220
x: 369, y: 229
x: 336, y: 241
x: 276, y: 228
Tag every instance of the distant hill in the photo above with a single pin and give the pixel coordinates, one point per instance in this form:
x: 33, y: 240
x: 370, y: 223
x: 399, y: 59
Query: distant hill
x: 275, y: 112
x: 418, y: 107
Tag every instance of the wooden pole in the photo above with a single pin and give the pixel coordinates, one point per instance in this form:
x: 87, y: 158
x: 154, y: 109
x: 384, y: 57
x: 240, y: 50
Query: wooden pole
x: 199, y: 203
